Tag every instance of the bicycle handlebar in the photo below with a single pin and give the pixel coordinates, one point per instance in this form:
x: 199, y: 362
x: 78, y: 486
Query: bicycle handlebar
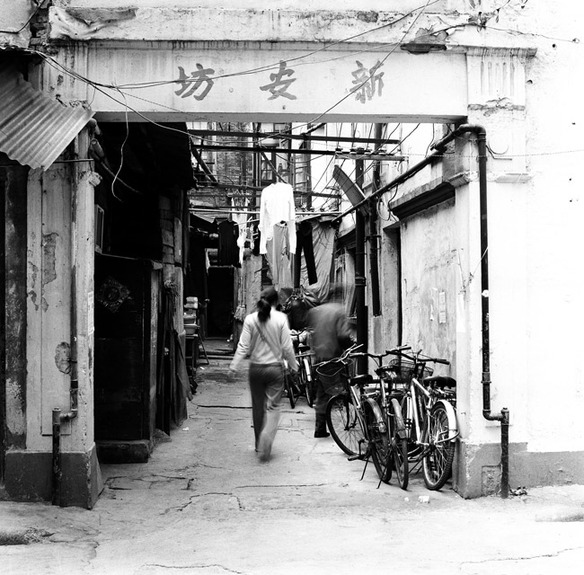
x: 417, y: 356
x: 348, y: 354
x: 397, y: 350
x: 380, y: 356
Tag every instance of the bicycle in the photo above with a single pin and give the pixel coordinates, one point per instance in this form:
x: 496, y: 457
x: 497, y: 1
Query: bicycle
x: 341, y: 416
x: 384, y: 426
x: 428, y: 407
x: 302, y: 383
x: 359, y: 417
x: 304, y: 357
x: 291, y: 390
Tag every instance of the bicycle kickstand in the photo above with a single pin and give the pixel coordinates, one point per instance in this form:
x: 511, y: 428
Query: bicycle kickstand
x: 364, y: 468
x: 362, y: 456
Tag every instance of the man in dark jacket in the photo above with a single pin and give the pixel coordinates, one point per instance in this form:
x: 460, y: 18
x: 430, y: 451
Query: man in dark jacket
x: 331, y: 334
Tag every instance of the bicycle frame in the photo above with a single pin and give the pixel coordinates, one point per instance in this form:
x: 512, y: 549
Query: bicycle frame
x: 305, y: 360
x: 413, y: 414
x: 359, y: 397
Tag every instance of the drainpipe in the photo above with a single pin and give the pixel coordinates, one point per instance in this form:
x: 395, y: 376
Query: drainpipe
x: 503, y: 417
x: 438, y: 149
x: 58, y: 417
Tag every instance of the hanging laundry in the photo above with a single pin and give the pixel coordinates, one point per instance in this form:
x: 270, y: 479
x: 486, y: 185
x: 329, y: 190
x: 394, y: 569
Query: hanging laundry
x: 228, y: 248
x: 278, y: 256
x: 241, y: 244
x: 304, y: 242
x: 276, y: 207
x: 241, y: 221
x: 256, y: 236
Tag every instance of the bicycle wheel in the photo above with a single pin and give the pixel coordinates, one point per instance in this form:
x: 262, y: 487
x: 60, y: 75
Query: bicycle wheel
x: 378, y: 442
x: 300, y: 380
x: 399, y: 445
x: 309, y: 391
x: 289, y: 389
x: 343, y: 423
x: 439, y: 453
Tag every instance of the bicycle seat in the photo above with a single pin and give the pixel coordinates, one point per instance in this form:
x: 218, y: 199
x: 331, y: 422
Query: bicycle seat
x: 440, y: 381
x: 362, y: 379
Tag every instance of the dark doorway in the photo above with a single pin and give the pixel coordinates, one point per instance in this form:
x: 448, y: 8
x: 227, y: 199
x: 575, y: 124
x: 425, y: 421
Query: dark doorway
x: 221, y: 306
x: 125, y: 342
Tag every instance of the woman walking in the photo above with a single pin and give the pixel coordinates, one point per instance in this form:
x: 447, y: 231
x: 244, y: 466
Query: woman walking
x: 265, y: 338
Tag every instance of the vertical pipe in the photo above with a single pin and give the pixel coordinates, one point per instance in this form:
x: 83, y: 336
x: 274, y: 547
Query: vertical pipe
x: 503, y: 417
x: 374, y: 236
x: 374, y: 261
x: 59, y: 417
x: 56, y: 467
x: 400, y: 311
x: 505, y: 453
x: 360, y: 281
x: 76, y: 177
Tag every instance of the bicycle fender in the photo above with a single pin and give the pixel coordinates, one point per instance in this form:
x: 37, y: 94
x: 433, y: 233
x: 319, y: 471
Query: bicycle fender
x: 377, y: 413
x: 452, y: 420
x: 402, y: 432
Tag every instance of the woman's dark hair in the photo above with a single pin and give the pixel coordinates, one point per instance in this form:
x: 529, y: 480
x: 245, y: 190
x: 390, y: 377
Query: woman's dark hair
x: 269, y: 298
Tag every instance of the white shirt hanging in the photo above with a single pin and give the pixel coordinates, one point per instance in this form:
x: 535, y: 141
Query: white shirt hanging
x: 276, y: 206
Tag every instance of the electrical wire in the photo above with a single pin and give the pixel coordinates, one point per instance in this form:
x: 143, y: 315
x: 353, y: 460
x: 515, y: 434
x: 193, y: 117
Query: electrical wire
x: 404, y: 139
x: 351, y: 92
x: 120, y: 87
x: 276, y: 65
x: 380, y: 63
x: 121, y: 156
x: 39, y: 7
x: 100, y: 88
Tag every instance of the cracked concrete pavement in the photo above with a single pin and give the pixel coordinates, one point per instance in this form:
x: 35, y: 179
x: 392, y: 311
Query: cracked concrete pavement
x: 203, y: 504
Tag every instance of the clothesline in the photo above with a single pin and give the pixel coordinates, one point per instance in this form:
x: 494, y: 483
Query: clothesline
x: 251, y: 212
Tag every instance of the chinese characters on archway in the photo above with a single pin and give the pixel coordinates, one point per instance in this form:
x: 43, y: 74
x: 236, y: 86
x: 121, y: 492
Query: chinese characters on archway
x: 366, y: 81
x: 197, y: 84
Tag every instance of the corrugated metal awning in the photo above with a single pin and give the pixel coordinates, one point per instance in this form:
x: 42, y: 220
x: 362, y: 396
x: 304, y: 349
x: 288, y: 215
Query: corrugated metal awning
x: 34, y: 129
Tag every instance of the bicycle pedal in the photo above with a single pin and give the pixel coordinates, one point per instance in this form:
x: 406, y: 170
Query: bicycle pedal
x: 354, y: 457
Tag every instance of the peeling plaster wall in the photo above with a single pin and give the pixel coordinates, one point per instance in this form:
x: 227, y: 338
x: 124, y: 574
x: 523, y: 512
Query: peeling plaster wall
x: 274, y: 4
x: 385, y: 329
x: 13, y: 19
x: 304, y: 20
x: 50, y: 265
x: 429, y: 281
x: 14, y: 183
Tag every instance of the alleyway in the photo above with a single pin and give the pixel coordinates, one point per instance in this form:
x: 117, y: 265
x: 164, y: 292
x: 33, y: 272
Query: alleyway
x: 203, y: 504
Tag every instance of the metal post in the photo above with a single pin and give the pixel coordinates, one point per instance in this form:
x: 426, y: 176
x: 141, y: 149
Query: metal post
x: 505, y: 453
x: 57, y: 472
